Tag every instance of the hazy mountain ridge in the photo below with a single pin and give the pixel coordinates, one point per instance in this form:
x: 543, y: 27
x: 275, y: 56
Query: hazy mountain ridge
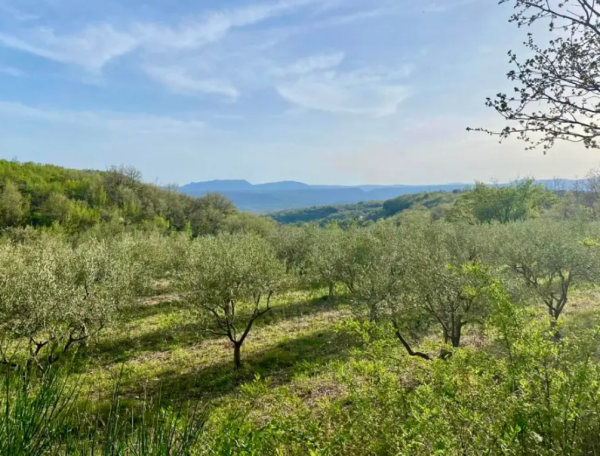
x: 279, y: 196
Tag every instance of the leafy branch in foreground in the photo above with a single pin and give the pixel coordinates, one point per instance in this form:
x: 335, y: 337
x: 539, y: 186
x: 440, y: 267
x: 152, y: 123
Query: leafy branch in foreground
x: 557, y: 89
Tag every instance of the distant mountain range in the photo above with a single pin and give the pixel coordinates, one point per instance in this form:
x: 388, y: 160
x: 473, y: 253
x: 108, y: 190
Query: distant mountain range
x: 278, y: 196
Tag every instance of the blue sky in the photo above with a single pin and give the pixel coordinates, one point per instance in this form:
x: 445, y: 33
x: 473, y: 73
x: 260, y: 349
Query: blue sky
x: 321, y: 91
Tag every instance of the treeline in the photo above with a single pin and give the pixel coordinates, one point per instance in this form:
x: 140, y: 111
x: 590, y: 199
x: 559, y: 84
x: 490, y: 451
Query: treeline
x: 116, y: 200
x: 366, y: 212
x: 47, y: 196
x: 482, y: 203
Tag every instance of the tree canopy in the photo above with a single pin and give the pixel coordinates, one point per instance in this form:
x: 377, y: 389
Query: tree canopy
x: 78, y: 200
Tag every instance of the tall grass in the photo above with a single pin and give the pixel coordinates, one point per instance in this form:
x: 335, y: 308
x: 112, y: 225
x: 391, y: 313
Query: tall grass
x: 34, y: 412
x: 45, y: 416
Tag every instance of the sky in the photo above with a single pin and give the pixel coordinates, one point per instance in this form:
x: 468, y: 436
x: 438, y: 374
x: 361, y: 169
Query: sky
x: 320, y: 91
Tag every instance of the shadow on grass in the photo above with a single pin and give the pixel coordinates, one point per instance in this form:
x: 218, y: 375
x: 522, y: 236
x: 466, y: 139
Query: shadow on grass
x: 280, y: 363
x: 115, y: 350
x: 112, y: 350
x: 297, y: 309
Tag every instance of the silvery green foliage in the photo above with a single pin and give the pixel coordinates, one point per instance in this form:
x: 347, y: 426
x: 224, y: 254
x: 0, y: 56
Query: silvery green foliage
x: 53, y: 296
x: 326, y: 259
x: 376, y: 270
x: 447, y: 280
x: 231, y: 279
x: 152, y: 257
x: 379, y: 276
x: 550, y: 257
x: 416, y: 275
x: 293, y: 247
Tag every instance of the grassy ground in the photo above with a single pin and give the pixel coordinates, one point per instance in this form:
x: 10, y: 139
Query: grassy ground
x: 299, y: 351
x: 160, y: 349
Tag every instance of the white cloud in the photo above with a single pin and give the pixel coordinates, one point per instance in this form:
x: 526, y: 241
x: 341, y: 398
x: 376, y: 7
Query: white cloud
x: 213, y: 26
x: 347, y: 19
x: 91, y: 48
x: 17, y: 14
x: 365, y: 92
x: 445, y: 5
x: 95, y: 45
x: 313, y: 63
x: 131, y: 123
x: 178, y: 80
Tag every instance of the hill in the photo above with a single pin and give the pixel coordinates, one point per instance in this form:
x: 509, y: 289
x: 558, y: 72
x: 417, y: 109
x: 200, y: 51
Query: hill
x: 45, y: 195
x: 279, y: 196
x: 366, y: 211
x: 282, y: 196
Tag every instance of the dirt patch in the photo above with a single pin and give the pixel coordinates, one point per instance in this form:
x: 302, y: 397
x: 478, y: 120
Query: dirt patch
x: 317, y: 393
x: 153, y: 356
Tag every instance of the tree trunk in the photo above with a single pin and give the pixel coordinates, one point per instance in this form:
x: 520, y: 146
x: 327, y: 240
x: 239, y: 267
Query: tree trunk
x: 457, y: 333
x: 456, y: 340
x: 554, y: 314
x: 331, y: 291
x: 237, y: 355
x: 446, y: 335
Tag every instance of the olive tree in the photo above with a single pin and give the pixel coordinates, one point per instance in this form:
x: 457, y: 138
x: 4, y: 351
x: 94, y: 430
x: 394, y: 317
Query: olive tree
x: 379, y: 279
x: 53, y: 296
x: 231, y: 279
x: 153, y: 258
x: 447, y: 281
x: 550, y: 257
x: 293, y: 247
x: 326, y: 258
x: 556, y: 91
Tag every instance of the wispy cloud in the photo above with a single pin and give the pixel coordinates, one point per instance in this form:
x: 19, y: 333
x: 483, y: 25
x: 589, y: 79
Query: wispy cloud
x: 351, y: 18
x: 132, y: 123
x: 312, y: 64
x: 91, y: 48
x: 213, y: 26
x: 179, y: 81
x: 96, y: 45
x: 365, y: 92
x: 16, y: 13
x: 445, y: 5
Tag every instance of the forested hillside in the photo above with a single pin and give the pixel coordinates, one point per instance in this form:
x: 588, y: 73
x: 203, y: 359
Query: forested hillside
x: 364, y: 213
x: 78, y: 200
x: 482, y: 203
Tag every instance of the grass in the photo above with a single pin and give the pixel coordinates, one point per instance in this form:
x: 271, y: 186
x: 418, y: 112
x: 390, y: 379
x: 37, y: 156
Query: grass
x: 159, y: 349
x: 299, y: 361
